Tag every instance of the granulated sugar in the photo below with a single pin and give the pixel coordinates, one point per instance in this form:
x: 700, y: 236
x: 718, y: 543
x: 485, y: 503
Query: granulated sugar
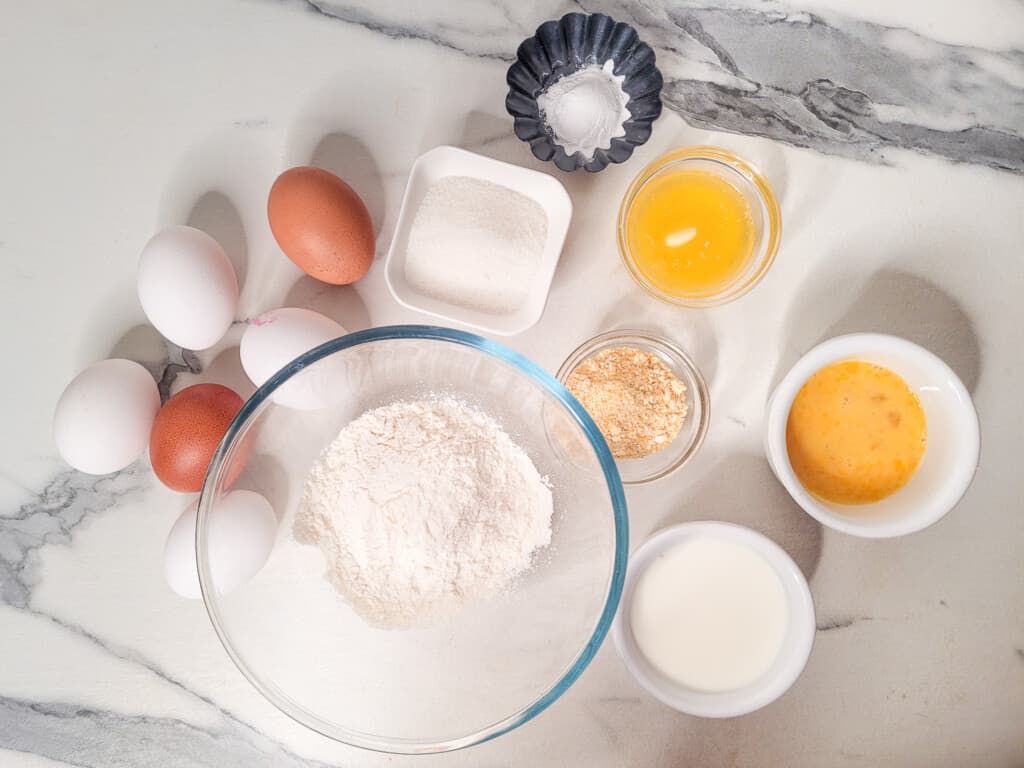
x: 475, y: 244
x: 421, y: 506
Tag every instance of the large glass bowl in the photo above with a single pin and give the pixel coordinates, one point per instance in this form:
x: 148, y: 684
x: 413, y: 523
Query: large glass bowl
x: 499, y: 662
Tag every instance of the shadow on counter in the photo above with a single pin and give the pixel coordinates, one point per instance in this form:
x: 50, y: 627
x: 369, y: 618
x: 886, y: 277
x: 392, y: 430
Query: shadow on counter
x: 350, y: 159
x: 215, y: 214
x: 742, y: 489
x: 689, y: 328
x: 894, y: 302
x: 341, y: 303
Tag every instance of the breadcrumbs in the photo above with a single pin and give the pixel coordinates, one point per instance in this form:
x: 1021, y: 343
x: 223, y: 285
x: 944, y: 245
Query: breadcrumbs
x: 636, y: 401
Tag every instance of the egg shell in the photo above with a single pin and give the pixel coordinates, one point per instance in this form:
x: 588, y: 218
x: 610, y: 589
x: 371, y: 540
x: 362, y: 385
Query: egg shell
x: 186, y: 433
x: 276, y: 338
x: 240, y: 538
x: 103, y: 418
x: 321, y: 224
x: 187, y: 287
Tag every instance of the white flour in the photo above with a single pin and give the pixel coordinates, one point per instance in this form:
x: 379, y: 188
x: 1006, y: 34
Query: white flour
x: 420, y: 506
x: 586, y: 109
x: 475, y: 244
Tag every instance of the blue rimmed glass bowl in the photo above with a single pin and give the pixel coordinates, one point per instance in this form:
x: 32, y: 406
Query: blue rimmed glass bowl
x: 497, y: 664
x: 564, y: 46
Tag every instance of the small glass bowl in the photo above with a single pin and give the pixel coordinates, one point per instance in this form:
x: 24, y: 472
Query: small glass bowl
x: 695, y: 425
x: 743, y: 177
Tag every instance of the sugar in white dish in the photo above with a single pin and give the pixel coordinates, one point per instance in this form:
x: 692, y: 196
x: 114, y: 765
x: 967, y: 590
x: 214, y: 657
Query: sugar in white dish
x: 421, y: 506
x: 475, y: 244
x: 586, y: 109
x: 710, y: 614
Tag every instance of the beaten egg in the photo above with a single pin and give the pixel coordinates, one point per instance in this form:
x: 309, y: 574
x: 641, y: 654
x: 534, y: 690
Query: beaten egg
x: 856, y: 433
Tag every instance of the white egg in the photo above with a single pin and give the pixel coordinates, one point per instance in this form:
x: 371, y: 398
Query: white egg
x: 103, y: 419
x: 276, y: 338
x: 240, y: 538
x: 187, y: 287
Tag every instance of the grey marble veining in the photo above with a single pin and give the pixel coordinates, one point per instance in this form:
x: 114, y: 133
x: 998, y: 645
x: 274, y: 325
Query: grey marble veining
x: 51, y: 518
x: 832, y: 83
x: 165, y: 361
x: 90, y: 736
x: 71, y: 496
x: 837, y: 85
x: 81, y: 735
x: 87, y: 736
x: 905, y: 670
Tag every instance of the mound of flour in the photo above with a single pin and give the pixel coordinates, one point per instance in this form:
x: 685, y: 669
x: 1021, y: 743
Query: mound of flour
x: 420, y: 506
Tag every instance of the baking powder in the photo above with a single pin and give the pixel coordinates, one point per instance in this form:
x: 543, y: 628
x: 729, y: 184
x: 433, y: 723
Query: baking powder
x: 421, y: 506
x: 586, y: 110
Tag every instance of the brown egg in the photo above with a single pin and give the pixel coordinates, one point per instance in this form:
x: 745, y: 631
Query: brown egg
x: 321, y: 224
x: 186, y: 432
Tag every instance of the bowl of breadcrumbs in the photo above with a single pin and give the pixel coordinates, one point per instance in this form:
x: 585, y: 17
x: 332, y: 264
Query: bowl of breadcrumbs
x: 646, y: 396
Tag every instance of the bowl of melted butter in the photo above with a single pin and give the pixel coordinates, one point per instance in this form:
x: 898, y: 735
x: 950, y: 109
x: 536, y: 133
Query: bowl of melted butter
x: 873, y: 435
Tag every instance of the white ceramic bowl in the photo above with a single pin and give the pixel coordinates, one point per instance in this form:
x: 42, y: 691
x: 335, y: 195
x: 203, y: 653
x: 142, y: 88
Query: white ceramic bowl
x: 450, y: 161
x: 949, y: 461
x: 796, y: 645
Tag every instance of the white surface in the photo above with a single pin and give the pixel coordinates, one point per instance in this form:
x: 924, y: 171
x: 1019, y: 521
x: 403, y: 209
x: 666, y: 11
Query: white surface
x: 781, y: 672
x: 123, y: 120
x: 949, y: 461
x: 452, y: 161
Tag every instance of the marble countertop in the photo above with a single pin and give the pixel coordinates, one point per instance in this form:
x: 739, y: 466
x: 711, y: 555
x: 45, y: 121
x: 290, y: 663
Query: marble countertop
x: 894, y: 135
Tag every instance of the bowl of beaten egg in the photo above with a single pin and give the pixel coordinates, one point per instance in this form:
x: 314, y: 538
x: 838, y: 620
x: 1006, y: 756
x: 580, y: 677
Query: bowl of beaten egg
x: 872, y: 435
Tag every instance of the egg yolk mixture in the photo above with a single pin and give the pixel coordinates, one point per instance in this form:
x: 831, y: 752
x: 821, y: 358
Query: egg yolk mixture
x: 856, y: 433
x: 690, y: 232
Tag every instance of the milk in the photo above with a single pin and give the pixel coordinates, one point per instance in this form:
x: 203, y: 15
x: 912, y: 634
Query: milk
x: 710, y: 614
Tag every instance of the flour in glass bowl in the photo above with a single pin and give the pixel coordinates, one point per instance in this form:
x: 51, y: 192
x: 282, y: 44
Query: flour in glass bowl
x: 421, y: 506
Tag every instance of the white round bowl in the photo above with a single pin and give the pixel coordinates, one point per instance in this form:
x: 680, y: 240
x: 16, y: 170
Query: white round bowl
x: 796, y: 645
x: 949, y: 461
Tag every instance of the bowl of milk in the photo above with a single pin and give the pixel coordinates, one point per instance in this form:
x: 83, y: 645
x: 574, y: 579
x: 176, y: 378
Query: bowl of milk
x: 716, y: 620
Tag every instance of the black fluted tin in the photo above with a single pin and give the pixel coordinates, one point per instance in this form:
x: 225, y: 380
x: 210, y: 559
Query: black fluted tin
x: 562, y: 47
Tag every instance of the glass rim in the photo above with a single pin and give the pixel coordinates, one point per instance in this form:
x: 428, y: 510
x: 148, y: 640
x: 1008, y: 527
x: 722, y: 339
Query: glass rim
x: 671, y: 350
x: 401, y: 745
x: 737, y: 167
